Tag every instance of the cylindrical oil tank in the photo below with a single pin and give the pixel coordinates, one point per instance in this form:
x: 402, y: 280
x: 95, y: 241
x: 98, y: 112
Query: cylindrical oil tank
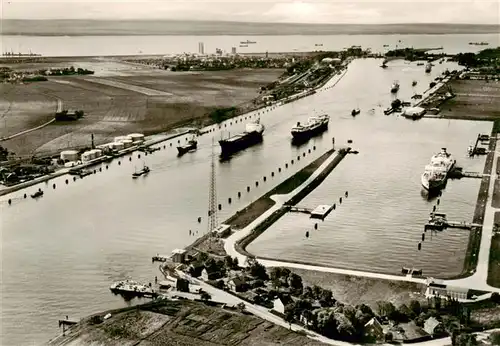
x: 121, y: 138
x: 86, y: 156
x: 136, y: 137
x: 118, y: 145
x: 97, y: 153
x: 127, y: 143
x: 69, y: 155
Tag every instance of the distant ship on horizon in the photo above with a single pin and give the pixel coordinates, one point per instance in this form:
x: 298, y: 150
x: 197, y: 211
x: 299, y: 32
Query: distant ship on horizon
x: 12, y: 54
x: 248, y: 42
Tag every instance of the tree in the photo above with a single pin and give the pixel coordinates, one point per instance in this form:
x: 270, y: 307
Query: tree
x: 385, y: 309
x: 259, y: 271
x: 495, y: 338
x: 295, y: 282
x: 463, y: 339
x: 404, y: 313
x: 389, y: 337
x: 345, y: 328
x: 205, y: 296
x: 415, y: 307
x: 326, y: 298
x: 290, y: 314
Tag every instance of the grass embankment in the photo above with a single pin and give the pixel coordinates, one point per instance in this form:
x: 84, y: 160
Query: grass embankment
x: 245, y: 216
x: 168, y: 322
x: 288, y: 186
x: 494, y: 262
x: 471, y: 255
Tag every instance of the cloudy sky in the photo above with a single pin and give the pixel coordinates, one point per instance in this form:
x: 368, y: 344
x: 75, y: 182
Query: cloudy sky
x: 306, y: 11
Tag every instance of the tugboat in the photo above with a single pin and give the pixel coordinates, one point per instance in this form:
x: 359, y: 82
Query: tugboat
x: 37, y: 194
x: 143, y: 171
x: 191, y: 145
x: 414, y: 83
x: 355, y: 112
x: 253, y: 134
x: 395, y: 87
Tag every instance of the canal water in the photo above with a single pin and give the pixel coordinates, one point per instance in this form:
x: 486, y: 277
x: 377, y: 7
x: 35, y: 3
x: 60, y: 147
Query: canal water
x: 60, y: 253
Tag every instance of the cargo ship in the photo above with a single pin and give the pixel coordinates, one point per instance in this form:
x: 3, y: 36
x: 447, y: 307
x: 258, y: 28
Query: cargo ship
x: 132, y: 289
x: 436, y: 173
x: 190, y: 146
x: 314, y: 126
x: 252, y: 135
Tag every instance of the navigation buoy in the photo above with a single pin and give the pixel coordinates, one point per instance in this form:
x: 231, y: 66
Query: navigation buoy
x: 304, y: 154
x: 199, y: 219
x: 265, y: 178
x: 74, y: 178
x: 170, y: 143
x: 130, y: 158
x: 423, y: 236
x: 315, y: 226
x: 10, y: 201
x: 100, y: 169
x: 239, y: 194
x: 314, y: 147
x: 346, y: 194
x: 138, y: 156
x: 256, y: 183
x: 119, y: 162
x: 248, y: 188
x: 434, y: 208
x: 66, y: 181
x: 333, y: 206
x: 107, y: 167
x: 165, y: 147
x: 220, y: 206
x: 286, y: 165
x: 272, y: 174
x: 24, y: 195
x: 145, y: 154
x: 229, y: 200
x: 179, y: 141
x: 291, y: 162
x: 279, y: 169
x: 54, y: 186
x: 298, y: 158
x: 307, y: 234
x: 309, y: 151
x: 419, y: 246
x: 340, y: 200
x: 438, y: 201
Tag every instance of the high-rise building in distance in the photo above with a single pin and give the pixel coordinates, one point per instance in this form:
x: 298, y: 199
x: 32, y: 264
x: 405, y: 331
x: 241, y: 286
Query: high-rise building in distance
x: 201, y: 48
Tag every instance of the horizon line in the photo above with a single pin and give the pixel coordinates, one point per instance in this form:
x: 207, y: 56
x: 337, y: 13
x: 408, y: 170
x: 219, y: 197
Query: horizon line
x: 250, y: 22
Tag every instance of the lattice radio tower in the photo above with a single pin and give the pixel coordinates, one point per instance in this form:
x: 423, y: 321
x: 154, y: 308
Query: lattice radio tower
x: 212, y: 196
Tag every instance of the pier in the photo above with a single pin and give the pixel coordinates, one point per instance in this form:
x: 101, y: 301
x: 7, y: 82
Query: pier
x: 297, y: 209
x: 438, y: 222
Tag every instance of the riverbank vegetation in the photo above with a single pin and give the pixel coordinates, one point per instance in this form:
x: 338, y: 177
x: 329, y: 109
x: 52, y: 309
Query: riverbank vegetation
x: 494, y: 260
x: 321, y: 310
x: 183, y: 322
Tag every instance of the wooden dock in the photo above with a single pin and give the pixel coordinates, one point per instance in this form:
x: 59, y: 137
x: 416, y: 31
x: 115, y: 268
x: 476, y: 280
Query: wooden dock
x: 297, y: 209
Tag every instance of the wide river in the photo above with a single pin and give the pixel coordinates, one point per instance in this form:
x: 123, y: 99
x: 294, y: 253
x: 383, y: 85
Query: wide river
x: 61, y: 253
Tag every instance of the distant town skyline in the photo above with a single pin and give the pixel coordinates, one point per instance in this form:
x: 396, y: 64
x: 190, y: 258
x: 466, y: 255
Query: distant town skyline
x: 312, y: 11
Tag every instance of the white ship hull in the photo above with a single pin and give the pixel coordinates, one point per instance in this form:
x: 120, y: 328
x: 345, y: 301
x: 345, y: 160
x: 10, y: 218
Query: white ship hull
x: 436, y: 174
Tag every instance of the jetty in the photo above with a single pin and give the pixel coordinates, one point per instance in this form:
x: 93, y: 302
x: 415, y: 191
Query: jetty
x: 438, y: 222
x: 320, y: 212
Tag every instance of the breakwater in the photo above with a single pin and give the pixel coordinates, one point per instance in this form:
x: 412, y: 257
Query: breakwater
x: 241, y: 244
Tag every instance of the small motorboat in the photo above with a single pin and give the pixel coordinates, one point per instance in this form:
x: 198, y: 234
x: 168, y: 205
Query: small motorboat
x: 143, y: 171
x: 355, y: 112
x: 414, y: 83
x: 190, y: 146
x: 37, y: 194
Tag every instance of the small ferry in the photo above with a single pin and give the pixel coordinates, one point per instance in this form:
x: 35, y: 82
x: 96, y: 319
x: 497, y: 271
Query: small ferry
x: 143, y: 171
x: 355, y: 112
x: 191, y: 145
x: 37, y: 194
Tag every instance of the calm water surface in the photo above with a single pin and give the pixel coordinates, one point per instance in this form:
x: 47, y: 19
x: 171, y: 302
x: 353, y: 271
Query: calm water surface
x: 132, y: 45
x: 60, y: 253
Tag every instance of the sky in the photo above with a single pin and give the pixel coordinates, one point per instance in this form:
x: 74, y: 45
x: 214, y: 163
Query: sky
x: 292, y: 11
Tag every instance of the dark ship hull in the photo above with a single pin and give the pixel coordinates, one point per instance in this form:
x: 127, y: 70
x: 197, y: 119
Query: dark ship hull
x: 239, y: 142
x: 186, y: 148
x: 302, y: 136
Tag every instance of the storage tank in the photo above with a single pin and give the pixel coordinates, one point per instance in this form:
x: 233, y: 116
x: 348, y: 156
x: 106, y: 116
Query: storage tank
x: 87, y: 156
x: 70, y: 164
x: 121, y: 138
x: 97, y: 153
x: 69, y: 155
x: 137, y: 143
x: 118, y: 145
x: 136, y: 137
x: 127, y: 143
